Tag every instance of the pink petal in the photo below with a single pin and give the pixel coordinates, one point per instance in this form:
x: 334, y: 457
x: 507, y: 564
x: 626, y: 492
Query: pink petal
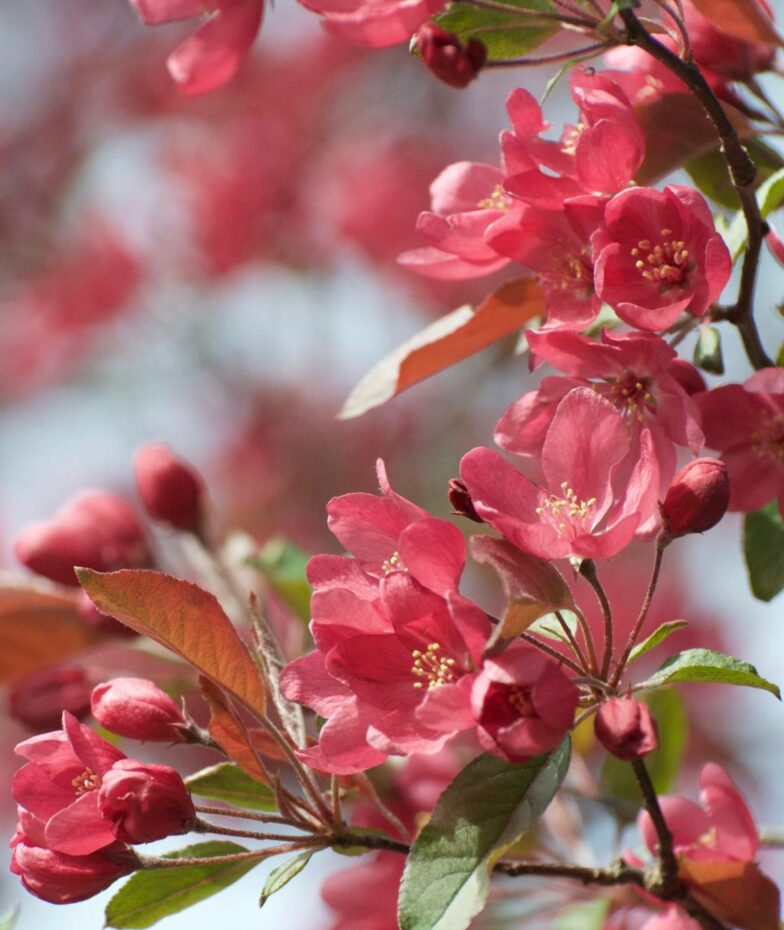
x: 97, y: 755
x: 736, y: 832
x: 307, y: 681
x: 434, y: 552
x: 80, y: 828
x: 155, y: 12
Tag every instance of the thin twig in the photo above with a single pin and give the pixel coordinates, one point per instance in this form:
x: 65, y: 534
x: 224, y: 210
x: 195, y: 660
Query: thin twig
x: 248, y: 815
x: 587, y: 51
x: 553, y: 653
x: 666, y: 851
x: 588, y: 571
x: 579, y: 654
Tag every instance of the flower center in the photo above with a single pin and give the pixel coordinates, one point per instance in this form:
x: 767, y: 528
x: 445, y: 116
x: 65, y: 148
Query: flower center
x: 393, y: 564
x: 431, y: 669
x: 498, y: 200
x: 665, y: 262
x: 520, y: 699
x: 570, y: 138
x: 567, y: 510
x: 768, y: 441
x: 709, y: 838
x: 87, y: 781
x: 631, y: 396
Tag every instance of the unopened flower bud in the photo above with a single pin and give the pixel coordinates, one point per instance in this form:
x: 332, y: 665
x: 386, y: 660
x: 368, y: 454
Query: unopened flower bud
x: 136, y: 708
x: 94, y: 529
x: 145, y: 802
x: 451, y: 61
x: 626, y: 728
x: 460, y: 499
x: 172, y: 490
x: 38, y: 700
x: 697, y: 498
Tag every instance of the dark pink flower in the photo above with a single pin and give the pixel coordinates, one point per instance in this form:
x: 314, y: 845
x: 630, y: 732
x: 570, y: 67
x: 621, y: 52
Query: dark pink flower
x: 722, y: 829
x: 451, y: 61
x: 390, y: 676
x: 145, y: 802
x: 697, y: 498
x: 626, y: 728
x: 39, y: 699
x: 138, y: 709
x: 375, y: 23
x: 727, y: 55
x: 389, y: 534
x: 213, y: 54
x: 746, y: 424
x: 93, y: 529
x: 638, y: 373
x: 589, y: 505
x: 523, y: 704
x: 658, y: 255
x: 364, y: 897
x: 56, y: 877
x: 62, y: 786
x: 171, y: 490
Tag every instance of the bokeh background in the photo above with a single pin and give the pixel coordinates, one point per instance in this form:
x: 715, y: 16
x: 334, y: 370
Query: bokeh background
x: 218, y: 272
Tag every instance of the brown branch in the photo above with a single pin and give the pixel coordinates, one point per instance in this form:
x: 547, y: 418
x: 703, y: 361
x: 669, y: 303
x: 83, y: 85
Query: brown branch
x: 588, y: 571
x: 670, y: 883
x: 742, y: 171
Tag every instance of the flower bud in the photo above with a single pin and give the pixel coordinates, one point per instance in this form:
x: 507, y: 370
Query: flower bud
x: 38, y: 700
x: 145, y: 802
x: 460, y: 499
x: 94, y: 529
x: 98, y: 621
x: 171, y: 490
x: 136, y: 708
x: 626, y: 728
x: 697, y: 498
x: 447, y: 58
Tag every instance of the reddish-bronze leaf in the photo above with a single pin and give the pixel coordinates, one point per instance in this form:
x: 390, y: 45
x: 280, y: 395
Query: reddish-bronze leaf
x: 742, y: 18
x: 735, y: 892
x: 185, y: 619
x: 452, y: 338
x: 38, y: 627
x: 230, y: 734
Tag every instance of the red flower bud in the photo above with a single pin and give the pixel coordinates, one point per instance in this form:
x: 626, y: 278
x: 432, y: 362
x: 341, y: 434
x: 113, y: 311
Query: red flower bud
x: 95, y: 529
x: 447, y: 58
x: 626, y: 728
x: 171, y: 490
x: 38, y: 700
x: 145, y: 802
x: 136, y: 708
x: 697, y: 498
x: 460, y: 499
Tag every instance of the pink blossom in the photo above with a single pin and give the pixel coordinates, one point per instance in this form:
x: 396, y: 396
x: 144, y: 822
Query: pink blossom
x: 364, y: 897
x: 39, y: 699
x: 213, y: 54
x: 170, y: 488
x: 389, y: 534
x: 523, y: 704
x: 56, y: 877
x: 589, y: 505
x: 745, y: 422
x: 451, y: 61
x: 63, y: 786
x: 658, y: 255
x: 138, y: 709
x: 722, y: 829
x: 638, y: 373
x: 697, y: 498
x: 722, y: 53
x: 391, y: 676
x: 375, y: 23
x: 626, y: 728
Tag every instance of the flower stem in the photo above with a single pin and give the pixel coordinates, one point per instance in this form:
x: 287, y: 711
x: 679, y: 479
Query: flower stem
x: 588, y: 571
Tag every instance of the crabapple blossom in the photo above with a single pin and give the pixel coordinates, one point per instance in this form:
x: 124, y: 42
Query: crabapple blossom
x: 697, y: 498
x: 626, y: 728
x: 375, y: 23
x: 213, y: 54
x: 136, y: 708
x: 94, y: 529
x: 39, y: 699
x: 589, y: 505
x: 639, y: 373
x: 745, y: 422
x: 70, y: 784
x: 657, y: 255
x: 523, y: 704
x: 57, y: 877
x: 171, y: 490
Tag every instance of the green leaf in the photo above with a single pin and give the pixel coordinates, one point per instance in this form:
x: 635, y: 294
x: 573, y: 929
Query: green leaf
x: 663, y: 764
x: 283, y: 874
x: 658, y: 636
x: 707, y: 351
x: 709, y: 171
x: 763, y: 546
x: 153, y: 894
x: 588, y: 916
x: 228, y: 782
x: 7, y: 921
x: 283, y: 565
x: 708, y: 667
x: 504, y: 35
x: 488, y: 807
